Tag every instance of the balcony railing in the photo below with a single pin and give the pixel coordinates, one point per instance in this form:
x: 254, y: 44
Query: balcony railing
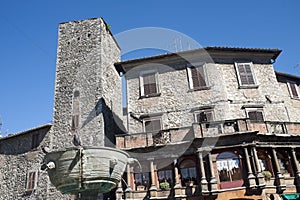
x: 201, y: 130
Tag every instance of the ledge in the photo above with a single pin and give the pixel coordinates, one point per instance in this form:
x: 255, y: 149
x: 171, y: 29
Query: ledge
x: 248, y: 86
x: 199, y: 88
x: 150, y: 95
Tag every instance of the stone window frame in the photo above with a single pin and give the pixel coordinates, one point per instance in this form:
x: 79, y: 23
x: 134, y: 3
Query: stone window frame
x: 197, y: 66
x: 142, y: 86
x: 31, y: 180
x: 205, y: 111
x: 260, y: 110
x: 75, y: 121
x: 291, y: 84
x: 238, y: 72
x: 149, y: 119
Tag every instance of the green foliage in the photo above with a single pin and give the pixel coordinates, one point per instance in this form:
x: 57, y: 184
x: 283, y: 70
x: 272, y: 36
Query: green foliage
x: 267, y: 175
x: 108, y: 26
x: 164, y: 185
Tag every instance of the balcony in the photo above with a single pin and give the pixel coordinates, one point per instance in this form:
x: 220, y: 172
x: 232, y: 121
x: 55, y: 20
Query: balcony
x: 202, y: 130
x: 218, y: 128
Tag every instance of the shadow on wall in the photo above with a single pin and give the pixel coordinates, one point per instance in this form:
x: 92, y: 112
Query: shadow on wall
x: 113, y: 125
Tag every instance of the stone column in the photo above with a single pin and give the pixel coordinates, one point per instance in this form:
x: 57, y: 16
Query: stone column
x: 296, y: 163
x: 119, y: 191
x: 153, y: 188
x: 213, y: 181
x: 203, y: 181
x: 260, y: 177
x: 279, y: 177
x: 177, y: 187
x: 128, y: 191
x: 251, y: 177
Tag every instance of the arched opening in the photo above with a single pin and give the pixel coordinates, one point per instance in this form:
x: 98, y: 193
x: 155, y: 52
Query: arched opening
x: 188, y: 172
x: 229, y: 170
x: 265, y: 163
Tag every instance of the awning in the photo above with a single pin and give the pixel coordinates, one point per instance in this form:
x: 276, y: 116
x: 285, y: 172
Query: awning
x: 293, y: 196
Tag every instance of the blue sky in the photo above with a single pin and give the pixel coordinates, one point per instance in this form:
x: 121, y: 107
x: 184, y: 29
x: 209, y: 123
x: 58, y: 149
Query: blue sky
x: 28, y: 40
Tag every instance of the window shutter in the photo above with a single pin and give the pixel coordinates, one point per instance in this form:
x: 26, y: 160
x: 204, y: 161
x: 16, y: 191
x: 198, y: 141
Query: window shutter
x: 256, y: 116
x: 152, y: 125
x: 209, y: 116
x: 293, y: 90
x: 259, y: 116
x: 245, y: 74
x: 197, y: 75
x: 31, y: 181
x: 149, y: 84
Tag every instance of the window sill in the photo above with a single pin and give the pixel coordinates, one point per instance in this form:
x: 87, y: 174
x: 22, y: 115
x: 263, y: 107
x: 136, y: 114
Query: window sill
x: 199, y: 88
x: 295, y: 98
x: 248, y: 86
x: 150, y: 95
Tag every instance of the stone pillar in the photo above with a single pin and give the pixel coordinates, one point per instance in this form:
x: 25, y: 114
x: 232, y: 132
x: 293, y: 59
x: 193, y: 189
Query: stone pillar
x: 260, y: 177
x: 297, y: 173
x: 119, y: 192
x: 213, y: 181
x: 128, y: 191
x: 279, y: 177
x: 296, y: 163
x: 203, y: 181
x: 251, y: 177
x: 153, y: 188
x: 177, y: 187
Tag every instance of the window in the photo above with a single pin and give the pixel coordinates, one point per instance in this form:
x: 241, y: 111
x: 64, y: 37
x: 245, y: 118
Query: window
x: 228, y: 166
x: 188, y: 172
x: 293, y: 89
x: 165, y: 175
x: 35, y: 140
x: 149, y: 84
x: 31, y: 180
x: 142, y: 179
x: 152, y: 125
x: 76, y: 112
x: 204, y: 116
x: 196, y: 77
x: 255, y: 115
x: 245, y: 74
x: 265, y: 161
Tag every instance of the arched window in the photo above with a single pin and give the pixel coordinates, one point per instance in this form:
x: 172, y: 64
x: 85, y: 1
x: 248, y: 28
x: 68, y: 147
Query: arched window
x: 265, y: 161
x: 229, y: 169
x: 75, y: 112
x: 188, y: 172
x: 284, y: 163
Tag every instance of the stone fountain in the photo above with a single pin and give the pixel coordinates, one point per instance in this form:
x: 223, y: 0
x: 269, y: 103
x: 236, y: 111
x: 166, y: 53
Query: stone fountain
x: 86, y: 169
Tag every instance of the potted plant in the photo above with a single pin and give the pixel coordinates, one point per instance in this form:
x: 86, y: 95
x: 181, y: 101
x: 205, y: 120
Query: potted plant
x: 267, y: 174
x: 164, y: 185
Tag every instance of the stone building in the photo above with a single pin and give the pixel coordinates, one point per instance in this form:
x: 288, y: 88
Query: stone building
x: 211, y: 123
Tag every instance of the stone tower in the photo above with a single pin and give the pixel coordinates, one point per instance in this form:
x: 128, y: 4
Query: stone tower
x: 88, y: 94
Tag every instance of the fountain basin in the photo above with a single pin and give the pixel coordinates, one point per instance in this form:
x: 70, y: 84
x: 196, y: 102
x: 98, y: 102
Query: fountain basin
x: 84, y: 169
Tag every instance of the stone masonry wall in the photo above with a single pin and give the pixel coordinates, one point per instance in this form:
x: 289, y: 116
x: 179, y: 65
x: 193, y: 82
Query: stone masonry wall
x: 177, y: 102
x: 17, y: 159
x: 268, y: 94
x: 85, y: 58
x: 292, y: 105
